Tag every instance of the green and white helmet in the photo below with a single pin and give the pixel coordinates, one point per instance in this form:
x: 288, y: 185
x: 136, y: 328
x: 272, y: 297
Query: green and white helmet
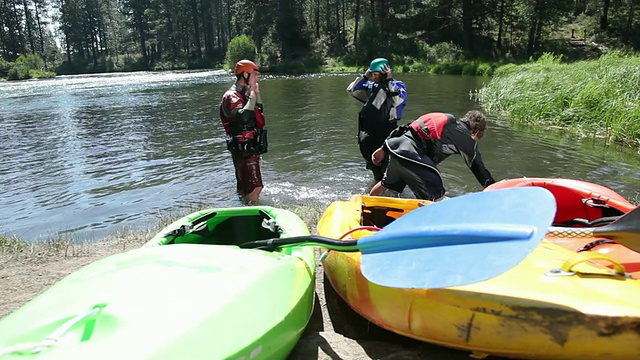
x: 378, y: 63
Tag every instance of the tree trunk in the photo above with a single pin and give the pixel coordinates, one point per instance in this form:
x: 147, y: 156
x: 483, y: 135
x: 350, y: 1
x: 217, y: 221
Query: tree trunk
x: 604, y: 19
x: 196, y: 28
x: 531, y: 41
x: 317, y: 19
x: 500, y: 25
x: 467, y: 25
x: 357, y: 20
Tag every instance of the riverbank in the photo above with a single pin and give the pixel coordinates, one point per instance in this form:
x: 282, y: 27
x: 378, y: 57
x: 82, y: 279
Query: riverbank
x: 597, y: 98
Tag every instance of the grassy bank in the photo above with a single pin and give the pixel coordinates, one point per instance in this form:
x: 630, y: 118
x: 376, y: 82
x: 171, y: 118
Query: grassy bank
x: 599, y: 98
x: 404, y: 65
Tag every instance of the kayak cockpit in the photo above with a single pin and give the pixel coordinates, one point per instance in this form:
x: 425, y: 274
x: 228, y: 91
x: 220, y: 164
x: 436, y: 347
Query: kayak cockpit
x: 225, y: 228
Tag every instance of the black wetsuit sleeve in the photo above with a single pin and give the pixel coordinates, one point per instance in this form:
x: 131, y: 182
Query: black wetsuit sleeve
x: 468, y: 149
x: 481, y: 172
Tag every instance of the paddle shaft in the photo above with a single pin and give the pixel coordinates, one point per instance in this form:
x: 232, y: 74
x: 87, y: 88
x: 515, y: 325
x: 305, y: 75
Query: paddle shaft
x: 625, y: 230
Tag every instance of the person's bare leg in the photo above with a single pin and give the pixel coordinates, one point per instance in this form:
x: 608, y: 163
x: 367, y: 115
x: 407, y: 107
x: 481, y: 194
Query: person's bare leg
x: 253, y: 196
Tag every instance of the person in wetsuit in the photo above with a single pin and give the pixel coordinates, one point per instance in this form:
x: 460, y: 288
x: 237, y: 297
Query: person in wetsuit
x: 383, y: 100
x: 417, y: 148
x: 241, y: 114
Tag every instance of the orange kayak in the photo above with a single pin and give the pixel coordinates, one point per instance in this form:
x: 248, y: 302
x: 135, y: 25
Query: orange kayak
x: 555, y: 304
x: 584, y: 204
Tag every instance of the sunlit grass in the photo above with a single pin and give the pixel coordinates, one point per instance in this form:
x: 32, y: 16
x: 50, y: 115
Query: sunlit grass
x: 595, y: 98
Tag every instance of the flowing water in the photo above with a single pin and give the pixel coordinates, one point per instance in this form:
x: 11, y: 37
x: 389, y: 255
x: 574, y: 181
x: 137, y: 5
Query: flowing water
x: 87, y: 155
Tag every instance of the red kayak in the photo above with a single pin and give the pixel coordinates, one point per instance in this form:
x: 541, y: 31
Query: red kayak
x: 581, y: 204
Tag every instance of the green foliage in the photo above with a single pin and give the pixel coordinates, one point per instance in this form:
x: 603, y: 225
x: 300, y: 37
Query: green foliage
x: 485, y: 69
x: 369, y: 43
x: 441, y: 52
x: 240, y: 47
x: 4, y: 67
x: 11, y: 244
x: 454, y: 68
x: 41, y: 74
x: 416, y: 67
x: 25, y: 67
x: 18, y: 72
x: 270, y: 50
x: 597, y: 98
x: 31, y: 61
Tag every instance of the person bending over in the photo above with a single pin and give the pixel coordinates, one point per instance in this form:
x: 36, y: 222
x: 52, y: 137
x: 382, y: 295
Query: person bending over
x: 417, y: 148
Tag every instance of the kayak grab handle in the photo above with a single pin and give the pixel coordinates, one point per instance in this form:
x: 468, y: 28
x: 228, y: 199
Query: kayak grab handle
x: 51, y: 340
x: 568, y: 267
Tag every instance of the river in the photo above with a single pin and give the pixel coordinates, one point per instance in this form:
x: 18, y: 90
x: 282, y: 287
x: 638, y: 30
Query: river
x: 87, y: 155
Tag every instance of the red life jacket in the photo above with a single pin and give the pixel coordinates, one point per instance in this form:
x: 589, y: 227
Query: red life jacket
x: 431, y: 125
x: 235, y: 126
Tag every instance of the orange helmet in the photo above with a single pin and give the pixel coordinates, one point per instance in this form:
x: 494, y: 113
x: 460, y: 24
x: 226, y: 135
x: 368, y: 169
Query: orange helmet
x: 245, y: 66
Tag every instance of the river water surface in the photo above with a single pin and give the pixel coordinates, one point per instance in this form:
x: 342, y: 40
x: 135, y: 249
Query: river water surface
x: 87, y: 155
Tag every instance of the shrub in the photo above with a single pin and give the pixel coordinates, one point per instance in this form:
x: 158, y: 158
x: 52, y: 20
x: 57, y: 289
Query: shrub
x: 18, y: 72
x: 4, y: 67
x: 485, y: 69
x: 240, y: 47
x: 31, y: 61
x: 470, y: 69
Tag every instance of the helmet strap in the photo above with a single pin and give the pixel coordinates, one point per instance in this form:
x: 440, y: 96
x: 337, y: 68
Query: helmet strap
x: 246, y: 79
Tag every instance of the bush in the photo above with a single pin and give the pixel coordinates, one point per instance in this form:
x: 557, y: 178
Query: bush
x: 4, y: 67
x: 31, y: 61
x: 485, y: 69
x: 417, y: 67
x: 448, y: 68
x: 470, y: 69
x: 444, y: 52
x: 18, y: 72
x: 240, y: 47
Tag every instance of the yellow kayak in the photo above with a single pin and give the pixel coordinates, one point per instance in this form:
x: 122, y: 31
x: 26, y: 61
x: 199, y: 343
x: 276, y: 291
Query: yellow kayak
x: 555, y: 304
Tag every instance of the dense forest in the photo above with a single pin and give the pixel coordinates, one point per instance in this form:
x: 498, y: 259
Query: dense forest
x: 75, y: 36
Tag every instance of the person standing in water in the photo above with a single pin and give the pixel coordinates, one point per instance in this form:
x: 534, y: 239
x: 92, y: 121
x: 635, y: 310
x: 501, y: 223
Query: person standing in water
x: 383, y: 99
x: 241, y: 114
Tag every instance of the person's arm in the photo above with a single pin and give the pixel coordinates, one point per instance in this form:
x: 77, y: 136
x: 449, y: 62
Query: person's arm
x: 480, y: 171
x: 251, y: 104
x: 359, y: 88
x: 378, y: 155
x: 467, y: 147
x: 258, y: 96
x: 472, y: 157
x: 398, y: 90
x: 377, y: 189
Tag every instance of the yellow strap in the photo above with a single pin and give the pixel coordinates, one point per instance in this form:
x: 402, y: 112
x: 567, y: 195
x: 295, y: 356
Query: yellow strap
x: 585, y: 256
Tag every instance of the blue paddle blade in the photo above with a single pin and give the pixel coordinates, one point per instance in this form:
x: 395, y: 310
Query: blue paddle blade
x: 460, y: 240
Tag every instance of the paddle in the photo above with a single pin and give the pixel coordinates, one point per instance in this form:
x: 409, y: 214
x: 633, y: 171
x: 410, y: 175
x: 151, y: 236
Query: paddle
x: 457, y: 241
x: 625, y: 230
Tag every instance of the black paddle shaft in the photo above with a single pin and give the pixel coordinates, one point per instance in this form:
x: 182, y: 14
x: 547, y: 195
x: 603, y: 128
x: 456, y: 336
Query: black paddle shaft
x: 625, y: 230
x: 310, y: 240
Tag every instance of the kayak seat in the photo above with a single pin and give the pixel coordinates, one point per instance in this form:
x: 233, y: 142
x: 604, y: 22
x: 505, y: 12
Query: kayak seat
x: 236, y: 230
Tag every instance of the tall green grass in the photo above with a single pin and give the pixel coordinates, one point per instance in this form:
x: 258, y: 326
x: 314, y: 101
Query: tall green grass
x: 595, y: 98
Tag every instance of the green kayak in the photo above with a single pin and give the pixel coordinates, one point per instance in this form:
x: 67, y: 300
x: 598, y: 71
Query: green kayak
x: 189, y: 293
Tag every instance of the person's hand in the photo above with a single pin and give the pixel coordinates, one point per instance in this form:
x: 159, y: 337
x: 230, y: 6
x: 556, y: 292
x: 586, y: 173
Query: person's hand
x: 377, y: 156
x: 256, y: 87
x: 386, y: 70
x: 367, y: 74
x: 253, y: 81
